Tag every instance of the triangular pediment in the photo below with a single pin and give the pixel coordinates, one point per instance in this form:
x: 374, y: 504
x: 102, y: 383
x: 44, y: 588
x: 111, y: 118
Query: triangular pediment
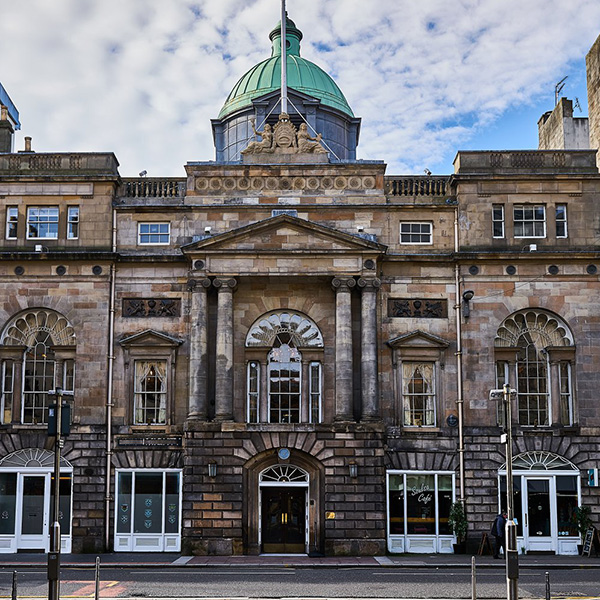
x: 285, y: 234
x: 418, y: 339
x: 150, y: 337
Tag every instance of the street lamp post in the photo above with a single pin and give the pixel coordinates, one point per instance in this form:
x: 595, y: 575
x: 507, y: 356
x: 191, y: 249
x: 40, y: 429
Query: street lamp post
x: 512, y: 556
x: 54, y: 554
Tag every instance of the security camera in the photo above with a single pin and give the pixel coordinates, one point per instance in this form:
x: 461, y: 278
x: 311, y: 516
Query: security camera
x: 143, y: 173
x: 207, y: 230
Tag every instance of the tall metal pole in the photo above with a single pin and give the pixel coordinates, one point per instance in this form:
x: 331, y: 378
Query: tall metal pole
x: 459, y: 364
x: 54, y: 554
x: 512, y: 556
x: 284, y: 106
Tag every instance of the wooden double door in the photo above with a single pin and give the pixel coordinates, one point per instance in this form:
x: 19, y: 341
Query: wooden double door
x: 283, y: 520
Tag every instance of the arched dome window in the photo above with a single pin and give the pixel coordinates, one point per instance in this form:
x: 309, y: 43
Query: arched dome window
x: 534, y: 354
x: 286, y: 346
x: 38, y: 354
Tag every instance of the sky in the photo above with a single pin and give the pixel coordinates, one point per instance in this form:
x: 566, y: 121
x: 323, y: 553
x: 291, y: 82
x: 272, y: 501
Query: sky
x: 143, y: 78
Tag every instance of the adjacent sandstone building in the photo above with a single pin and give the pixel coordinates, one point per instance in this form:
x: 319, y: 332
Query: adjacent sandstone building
x: 290, y: 351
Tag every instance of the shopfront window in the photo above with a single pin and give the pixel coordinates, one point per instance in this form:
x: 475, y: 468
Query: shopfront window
x: 566, y: 503
x: 8, y: 503
x: 148, y: 502
x: 419, y: 503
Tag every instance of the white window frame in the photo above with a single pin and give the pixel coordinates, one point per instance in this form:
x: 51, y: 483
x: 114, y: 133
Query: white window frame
x: 416, y: 364
x: 533, y: 220
x: 413, y: 542
x: 561, y: 222
x: 73, y: 222
x: 148, y: 542
x: 319, y: 393
x: 146, y: 235
x: 569, y: 393
x: 421, y: 232
x: 253, y: 396
x: 140, y: 395
x: 7, y: 392
x: 500, y: 221
x: 51, y: 215
x: 12, y: 222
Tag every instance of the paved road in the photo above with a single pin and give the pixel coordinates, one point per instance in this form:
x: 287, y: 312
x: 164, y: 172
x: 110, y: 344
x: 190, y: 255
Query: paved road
x: 278, y: 582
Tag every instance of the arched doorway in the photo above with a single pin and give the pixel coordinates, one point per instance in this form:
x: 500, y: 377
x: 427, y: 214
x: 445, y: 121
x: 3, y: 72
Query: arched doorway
x: 284, y: 510
x: 26, y: 500
x: 546, y: 492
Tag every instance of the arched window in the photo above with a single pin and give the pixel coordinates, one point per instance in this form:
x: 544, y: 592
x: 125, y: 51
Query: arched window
x: 286, y: 346
x: 38, y: 350
x: 534, y: 354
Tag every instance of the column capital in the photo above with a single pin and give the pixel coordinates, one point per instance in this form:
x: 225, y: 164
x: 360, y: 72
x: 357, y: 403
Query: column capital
x: 198, y: 285
x: 343, y: 284
x: 371, y: 283
x: 224, y: 284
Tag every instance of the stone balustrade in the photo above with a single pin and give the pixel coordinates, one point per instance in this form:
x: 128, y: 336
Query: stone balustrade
x: 36, y: 163
x: 414, y: 185
x: 153, y: 187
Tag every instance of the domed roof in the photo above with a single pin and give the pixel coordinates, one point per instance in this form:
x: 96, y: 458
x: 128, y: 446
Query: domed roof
x: 302, y: 75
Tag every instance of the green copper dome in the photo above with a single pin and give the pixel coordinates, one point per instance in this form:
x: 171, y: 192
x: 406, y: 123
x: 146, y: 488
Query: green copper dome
x: 302, y: 75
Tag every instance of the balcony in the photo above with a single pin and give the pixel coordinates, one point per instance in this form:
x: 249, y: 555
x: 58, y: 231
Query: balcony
x: 153, y: 187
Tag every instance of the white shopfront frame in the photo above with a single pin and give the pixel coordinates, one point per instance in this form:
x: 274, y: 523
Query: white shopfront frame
x: 562, y: 545
x: 148, y: 542
x: 12, y: 543
x: 418, y: 543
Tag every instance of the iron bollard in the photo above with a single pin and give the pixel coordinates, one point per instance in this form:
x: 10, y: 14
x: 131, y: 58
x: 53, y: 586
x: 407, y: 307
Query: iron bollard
x: 14, y: 586
x: 473, y: 580
x: 97, y: 593
x: 548, y: 586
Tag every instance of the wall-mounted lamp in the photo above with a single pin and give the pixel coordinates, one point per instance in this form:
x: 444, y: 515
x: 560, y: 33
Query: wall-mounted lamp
x: 466, y: 308
x: 207, y: 230
x: 212, y: 469
x: 143, y: 173
x: 353, y: 468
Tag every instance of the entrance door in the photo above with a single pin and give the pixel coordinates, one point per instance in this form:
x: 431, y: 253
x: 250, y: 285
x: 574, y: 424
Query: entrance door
x: 34, y: 513
x: 283, y: 522
x: 540, y: 514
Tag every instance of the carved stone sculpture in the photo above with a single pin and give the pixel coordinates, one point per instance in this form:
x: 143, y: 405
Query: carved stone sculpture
x: 266, y: 145
x: 285, y: 139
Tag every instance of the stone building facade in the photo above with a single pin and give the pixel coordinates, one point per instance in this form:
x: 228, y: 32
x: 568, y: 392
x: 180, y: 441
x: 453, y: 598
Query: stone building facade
x: 290, y: 353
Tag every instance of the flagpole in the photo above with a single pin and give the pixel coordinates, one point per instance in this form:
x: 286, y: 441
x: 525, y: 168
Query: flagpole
x: 284, y: 107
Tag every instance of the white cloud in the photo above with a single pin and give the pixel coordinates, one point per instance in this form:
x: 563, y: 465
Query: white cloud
x: 142, y: 78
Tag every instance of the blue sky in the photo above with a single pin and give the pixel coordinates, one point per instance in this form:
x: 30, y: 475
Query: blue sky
x: 143, y: 78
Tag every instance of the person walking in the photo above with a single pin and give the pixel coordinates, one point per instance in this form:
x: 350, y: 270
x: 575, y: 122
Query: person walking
x: 498, y: 531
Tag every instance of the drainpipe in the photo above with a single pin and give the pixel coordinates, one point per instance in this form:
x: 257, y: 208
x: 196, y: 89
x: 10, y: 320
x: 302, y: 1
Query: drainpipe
x: 459, y: 379
x: 109, y: 383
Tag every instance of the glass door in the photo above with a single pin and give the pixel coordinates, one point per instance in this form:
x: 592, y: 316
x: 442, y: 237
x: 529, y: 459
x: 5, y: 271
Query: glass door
x: 34, y: 512
x: 283, y: 523
x: 540, y: 514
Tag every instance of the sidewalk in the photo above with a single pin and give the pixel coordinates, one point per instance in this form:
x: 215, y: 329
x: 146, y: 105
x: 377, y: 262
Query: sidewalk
x: 413, y: 561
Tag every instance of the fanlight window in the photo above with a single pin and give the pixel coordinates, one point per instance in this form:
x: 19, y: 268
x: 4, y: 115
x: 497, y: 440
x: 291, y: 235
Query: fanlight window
x: 284, y: 474
x: 31, y: 458
x: 25, y: 330
x: 535, y: 333
x: 293, y: 386
x: 40, y: 332
x: 302, y: 331
x: 541, y: 461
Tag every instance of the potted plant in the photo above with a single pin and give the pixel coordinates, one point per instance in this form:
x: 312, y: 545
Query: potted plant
x: 457, y: 521
x: 581, y: 519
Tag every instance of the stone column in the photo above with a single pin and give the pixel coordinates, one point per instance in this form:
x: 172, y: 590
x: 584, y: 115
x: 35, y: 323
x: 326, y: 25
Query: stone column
x: 197, y: 404
x: 343, y: 349
x: 368, y: 338
x: 224, y: 360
